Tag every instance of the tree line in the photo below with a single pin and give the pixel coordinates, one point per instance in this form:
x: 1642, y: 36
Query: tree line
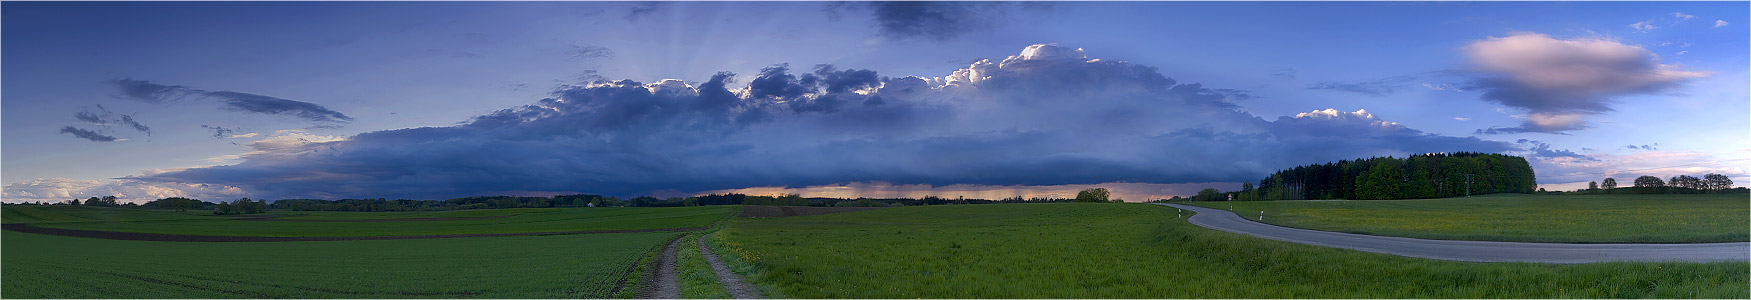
x: 1710, y: 183
x: 1431, y: 175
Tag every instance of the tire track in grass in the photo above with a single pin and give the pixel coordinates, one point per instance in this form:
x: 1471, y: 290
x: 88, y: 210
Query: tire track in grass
x: 634, y: 271
x: 664, y: 282
x: 697, y: 279
x: 737, y: 287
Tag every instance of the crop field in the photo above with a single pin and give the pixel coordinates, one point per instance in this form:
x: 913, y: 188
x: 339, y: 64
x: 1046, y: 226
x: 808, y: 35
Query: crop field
x: 1076, y: 250
x: 1521, y: 218
x: 562, y: 266
x: 553, y: 266
x: 504, y: 221
x: 350, y: 215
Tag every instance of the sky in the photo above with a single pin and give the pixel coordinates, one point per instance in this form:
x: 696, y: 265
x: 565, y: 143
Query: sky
x: 435, y: 100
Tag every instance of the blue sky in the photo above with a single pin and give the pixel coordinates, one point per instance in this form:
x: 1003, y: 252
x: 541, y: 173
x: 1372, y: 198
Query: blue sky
x: 313, y: 97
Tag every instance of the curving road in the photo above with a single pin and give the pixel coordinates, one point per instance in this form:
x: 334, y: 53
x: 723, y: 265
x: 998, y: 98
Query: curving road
x: 1476, y: 251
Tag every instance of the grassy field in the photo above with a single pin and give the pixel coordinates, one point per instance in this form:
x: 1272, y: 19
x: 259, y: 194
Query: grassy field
x: 1075, y: 250
x: 519, y: 220
x: 35, y: 214
x: 1522, y: 218
x: 564, y: 266
x: 697, y: 279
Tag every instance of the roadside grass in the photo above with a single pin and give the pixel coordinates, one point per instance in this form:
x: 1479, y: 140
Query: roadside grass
x: 520, y: 220
x: 697, y: 279
x: 1521, y: 218
x: 737, y: 260
x: 1075, y: 250
x: 561, y: 266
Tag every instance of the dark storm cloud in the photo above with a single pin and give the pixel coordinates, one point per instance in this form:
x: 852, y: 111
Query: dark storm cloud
x: 146, y: 91
x: 777, y: 82
x: 1562, y: 82
x: 1047, y: 116
x: 87, y: 134
x: 937, y: 20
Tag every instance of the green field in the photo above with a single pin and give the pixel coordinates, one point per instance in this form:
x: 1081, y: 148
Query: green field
x: 519, y: 220
x: 556, y: 266
x: 83, y: 214
x: 1074, y: 250
x: 1521, y: 218
x: 563, y: 266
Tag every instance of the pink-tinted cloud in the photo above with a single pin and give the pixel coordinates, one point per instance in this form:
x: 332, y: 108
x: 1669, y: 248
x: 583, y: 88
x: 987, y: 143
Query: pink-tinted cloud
x: 1562, y: 81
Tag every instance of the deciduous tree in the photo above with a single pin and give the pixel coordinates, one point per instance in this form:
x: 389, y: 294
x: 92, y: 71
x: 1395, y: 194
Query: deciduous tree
x: 1649, y: 181
x: 1717, y: 182
x: 1093, y: 195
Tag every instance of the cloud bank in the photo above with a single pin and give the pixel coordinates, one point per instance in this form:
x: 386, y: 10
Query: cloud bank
x: 1047, y: 116
x: 61, y: 189
x: 148, y: 92
x: 1561, y: 82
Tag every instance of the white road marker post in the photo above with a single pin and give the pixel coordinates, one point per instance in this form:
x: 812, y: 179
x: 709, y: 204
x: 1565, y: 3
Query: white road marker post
x: 1261, y: 216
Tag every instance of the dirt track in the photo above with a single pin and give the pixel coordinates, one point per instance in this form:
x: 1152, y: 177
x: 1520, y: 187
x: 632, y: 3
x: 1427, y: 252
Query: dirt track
x: 664, y: 281
x: 160, y: 237
x: 758, y: 211
x: 738, y: 288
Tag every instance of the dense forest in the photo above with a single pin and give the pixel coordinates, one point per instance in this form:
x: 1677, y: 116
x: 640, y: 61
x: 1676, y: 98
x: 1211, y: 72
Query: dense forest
x: 1433, y: 175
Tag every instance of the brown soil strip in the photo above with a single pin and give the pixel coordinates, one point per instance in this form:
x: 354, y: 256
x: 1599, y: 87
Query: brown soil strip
x: 664, y: 282
x: 761, y: 211
x: 161, y: 237
x: 738, y: 288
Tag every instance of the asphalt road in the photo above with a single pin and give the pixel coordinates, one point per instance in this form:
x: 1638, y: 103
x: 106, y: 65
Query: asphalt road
x: 1475, y: 251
